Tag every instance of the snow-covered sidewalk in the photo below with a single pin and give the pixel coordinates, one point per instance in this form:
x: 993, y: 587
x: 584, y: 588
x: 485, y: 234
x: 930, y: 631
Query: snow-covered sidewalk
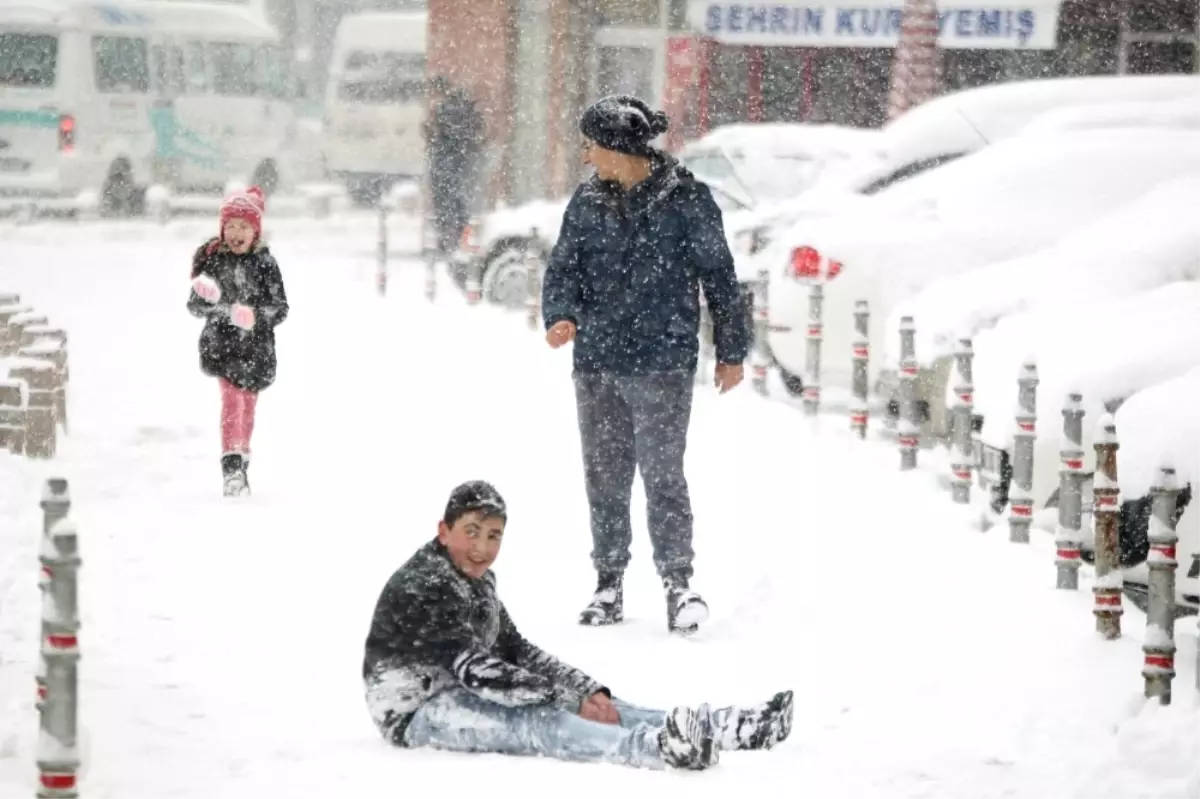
x: 222, y: 640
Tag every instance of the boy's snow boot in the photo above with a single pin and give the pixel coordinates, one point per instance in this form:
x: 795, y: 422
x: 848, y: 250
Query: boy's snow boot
x: 608, y: 602
x: 233, y: 469
x: 686, y: 610
x: 689, y: 739
x: 758, y: 727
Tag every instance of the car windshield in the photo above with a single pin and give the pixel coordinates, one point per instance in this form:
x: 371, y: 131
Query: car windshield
x: 760, y: 177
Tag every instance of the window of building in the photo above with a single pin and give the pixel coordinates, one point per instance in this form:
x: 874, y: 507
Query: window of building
x: 628, y: 13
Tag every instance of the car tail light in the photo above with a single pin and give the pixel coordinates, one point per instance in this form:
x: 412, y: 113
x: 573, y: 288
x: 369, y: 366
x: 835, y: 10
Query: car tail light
x: 833, y: 269
x: 806, y: 263
x: 66, y: 133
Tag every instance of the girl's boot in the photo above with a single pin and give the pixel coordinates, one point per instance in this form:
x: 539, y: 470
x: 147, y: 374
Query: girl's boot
x: 234, y: 471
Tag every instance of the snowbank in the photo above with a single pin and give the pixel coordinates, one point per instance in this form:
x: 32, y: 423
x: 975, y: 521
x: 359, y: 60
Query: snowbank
x: 1107, y: 350
x: 1151, y: 241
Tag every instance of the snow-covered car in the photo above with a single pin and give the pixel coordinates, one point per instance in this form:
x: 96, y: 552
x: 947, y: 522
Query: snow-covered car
x: 1005, y: 201
x: 1106, y: 350
x: 956, y: 124
x: 746, y: 165
x: 1160, y: 426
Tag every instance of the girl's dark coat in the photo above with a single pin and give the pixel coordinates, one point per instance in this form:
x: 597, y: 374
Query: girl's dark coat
x: 245, y: 358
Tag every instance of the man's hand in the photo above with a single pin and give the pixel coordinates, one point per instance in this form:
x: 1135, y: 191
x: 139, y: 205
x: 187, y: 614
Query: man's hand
x: 560, y: 333
x: 727, y: 376
x: 599, y: 708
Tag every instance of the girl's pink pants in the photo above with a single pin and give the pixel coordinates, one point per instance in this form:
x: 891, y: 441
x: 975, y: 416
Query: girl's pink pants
x: 237, y: 418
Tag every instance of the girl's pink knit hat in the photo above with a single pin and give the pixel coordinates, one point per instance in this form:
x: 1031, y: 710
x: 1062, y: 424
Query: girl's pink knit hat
x: 248, y: 205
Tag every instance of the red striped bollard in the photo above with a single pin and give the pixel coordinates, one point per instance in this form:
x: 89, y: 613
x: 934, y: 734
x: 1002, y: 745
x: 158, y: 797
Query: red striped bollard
x: 704, y: 371
x: 381, y: 254
x: 860, y: 352
x: 812, y: 351
x: 964, y: 405
x: 56, y: 505
x: 1106, y: 517
x: 762, y: 316
x: 1158, y: 667
x: 57, y: 753
x: 1020, y: 494
x: 1068, y: 538
x: 908, y: 431
x: 533, y: 283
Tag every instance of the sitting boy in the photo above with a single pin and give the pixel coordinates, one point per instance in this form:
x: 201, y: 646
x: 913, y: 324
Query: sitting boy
x: 446, y: 668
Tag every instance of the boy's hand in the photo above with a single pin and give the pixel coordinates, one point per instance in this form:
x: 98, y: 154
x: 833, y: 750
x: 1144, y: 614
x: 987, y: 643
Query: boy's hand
x: 727, y: 376
x: 599, y: 708
x: 206, y: 288
x: 560, y: 333
x: 242, y: 316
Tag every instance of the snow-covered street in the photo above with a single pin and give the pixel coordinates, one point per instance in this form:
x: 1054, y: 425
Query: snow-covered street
x: 222, y: 640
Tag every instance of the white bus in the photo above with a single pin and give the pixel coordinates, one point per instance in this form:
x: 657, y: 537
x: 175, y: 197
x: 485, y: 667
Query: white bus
x: 100, y: 99
x: 375, y: 102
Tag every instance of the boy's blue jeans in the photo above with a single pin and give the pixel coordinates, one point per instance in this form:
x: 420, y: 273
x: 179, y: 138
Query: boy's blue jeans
x: 460, y: 721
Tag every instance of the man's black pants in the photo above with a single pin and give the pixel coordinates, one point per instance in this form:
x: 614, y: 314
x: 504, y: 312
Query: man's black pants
x: 637, y: 422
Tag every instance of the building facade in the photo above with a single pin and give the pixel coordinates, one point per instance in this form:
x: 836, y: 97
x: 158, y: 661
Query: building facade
x: 533, y: 65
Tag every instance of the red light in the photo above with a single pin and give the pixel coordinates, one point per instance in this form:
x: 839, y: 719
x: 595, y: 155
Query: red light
x: 806, y: 262
x: 66, y: 133
x: 833, y: 270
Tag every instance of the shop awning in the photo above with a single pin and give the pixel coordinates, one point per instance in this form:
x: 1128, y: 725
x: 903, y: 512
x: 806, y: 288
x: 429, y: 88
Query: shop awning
x: 984, y: 25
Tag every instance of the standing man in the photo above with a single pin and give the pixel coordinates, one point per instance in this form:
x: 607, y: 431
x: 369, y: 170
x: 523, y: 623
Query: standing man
x: 454, y: 142
x: 638, y: 240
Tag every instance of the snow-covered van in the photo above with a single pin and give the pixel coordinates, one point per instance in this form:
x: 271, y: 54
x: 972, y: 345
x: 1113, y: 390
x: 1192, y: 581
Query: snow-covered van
x: 100, y: 99
x: 375, y: 101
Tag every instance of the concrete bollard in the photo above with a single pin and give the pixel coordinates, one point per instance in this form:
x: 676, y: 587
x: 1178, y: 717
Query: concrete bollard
x: 964, y: 407
x: 704, y: 370
x: 381, y: 252
x: 908, y: 428
x: 14, y: 401
x: 1067, y: 537
x: 860, y: 352
x: 812, y: 350
x: 533, y: 283
x: 762, y: 315
x: 1020, y: 493
x: 41, y: 415
x: 1106, y: 517
x: 1158, y: 667
x: 429, y: 252
x: 57, y: 752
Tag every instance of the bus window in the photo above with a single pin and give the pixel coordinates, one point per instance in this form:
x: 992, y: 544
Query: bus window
x: 195, y: 72
x: 381, y: 78
x: 28, y: 60
x: 233, y: 70
x: 121, y: 64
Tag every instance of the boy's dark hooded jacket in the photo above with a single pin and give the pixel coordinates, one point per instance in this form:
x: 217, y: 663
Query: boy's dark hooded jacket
x: 627, y: 268
x: 435, y: 628
x: 245, y: 358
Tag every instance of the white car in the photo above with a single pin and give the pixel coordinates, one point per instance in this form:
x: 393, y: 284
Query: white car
x: 1007, y: 200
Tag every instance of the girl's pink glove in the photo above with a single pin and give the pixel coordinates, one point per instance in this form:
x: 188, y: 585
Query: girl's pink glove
x: 242, y: 316
x: 206, y: 288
